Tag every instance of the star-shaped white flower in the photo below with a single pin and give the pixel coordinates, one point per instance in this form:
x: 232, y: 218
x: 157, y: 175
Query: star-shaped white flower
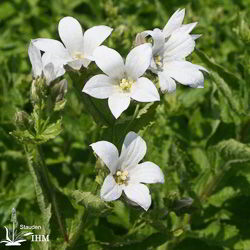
x: 122, y: 81
x: 77, y: 48
x: 126, y: 173
x: 42, y: 65
x: 170, y: 48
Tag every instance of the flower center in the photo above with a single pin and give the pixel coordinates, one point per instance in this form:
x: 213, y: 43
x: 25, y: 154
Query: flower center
x: 121, y: 177
x: 158, y: 61
x: 126, y: 84
x: 78, y: 55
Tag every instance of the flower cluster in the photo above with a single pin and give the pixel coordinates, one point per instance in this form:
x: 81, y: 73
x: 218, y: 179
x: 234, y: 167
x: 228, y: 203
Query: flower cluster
x: 122, y: 81
x: 170, y: 48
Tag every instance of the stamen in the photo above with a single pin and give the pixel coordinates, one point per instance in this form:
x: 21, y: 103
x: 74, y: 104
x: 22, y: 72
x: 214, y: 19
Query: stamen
x: 121, y: 177
x: 125, y: 172
x: 126, y: 84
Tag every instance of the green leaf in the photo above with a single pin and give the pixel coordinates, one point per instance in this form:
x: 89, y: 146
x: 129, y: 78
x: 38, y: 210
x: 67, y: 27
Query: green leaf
x: 51, y: 131
x: 242, y: 245
x: 232, y: 149
x: 23, y: 136
x: 228, y: 100
x: 219, y: 233
x: 220, y: 197
x: 229, y: 77
x: 89, y: 201
x: 6, y: 10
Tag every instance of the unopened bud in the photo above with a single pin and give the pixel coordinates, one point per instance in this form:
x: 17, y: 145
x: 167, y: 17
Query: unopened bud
x: 22, y: 120
x: 182, y: 206
x: 140, y: 39
x: 38, y: 89
x: 59, y: 90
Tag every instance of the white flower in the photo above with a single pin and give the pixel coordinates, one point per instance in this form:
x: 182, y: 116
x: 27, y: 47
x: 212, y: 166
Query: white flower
x: 126, y: 173
x: 171, y: 46
x: 122, y: 81
x: 78, y: 48
x: 42, y: 65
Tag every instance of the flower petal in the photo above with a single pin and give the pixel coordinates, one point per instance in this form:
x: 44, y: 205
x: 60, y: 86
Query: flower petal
x: 110, y: 189
x: 48, y: 58
x: 185, y: 73
x: 133, y: 150
x: 49, y: 73
x: 77, y: 64
x: 94, y: 37
x: 108, y: 154
x: 196, y: 36
x: 138, y: 60
x: 118, y: 102
x: 144, y: 91
x: 70, y: 32
x: 54, y: 47
x: 100, y: 86
x: 187, y: 28
x: 167, y: 84
x: 139, y: 194
x: 174, y: 22
x: 179, y: 46
x: 35, y: 59
x: 146, y: 172
x: 158, y: 39
x: 109, y: 61
x: 58, y: 62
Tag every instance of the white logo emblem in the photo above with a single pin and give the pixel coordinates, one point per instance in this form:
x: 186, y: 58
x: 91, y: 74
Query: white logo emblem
x: 13, y: 238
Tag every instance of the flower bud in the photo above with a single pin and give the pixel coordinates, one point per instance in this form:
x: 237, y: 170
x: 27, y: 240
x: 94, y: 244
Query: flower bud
x: 38, y: 89
x: 140, y: 39
x: 183, y: 205
x: 59, y: 90
x: 22, y: 120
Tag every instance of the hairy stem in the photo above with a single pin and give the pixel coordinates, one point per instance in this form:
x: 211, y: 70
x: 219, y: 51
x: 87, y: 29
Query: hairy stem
x: 44, y: 189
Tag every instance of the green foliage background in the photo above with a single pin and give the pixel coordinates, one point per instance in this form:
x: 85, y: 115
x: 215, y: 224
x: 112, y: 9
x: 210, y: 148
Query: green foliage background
x: 199, y: 137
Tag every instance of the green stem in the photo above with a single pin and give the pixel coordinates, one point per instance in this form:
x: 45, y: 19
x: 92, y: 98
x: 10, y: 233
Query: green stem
x: 126, y: 130
x: 81, y: 226
x: 53, y: 196
x: 44, y: 189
